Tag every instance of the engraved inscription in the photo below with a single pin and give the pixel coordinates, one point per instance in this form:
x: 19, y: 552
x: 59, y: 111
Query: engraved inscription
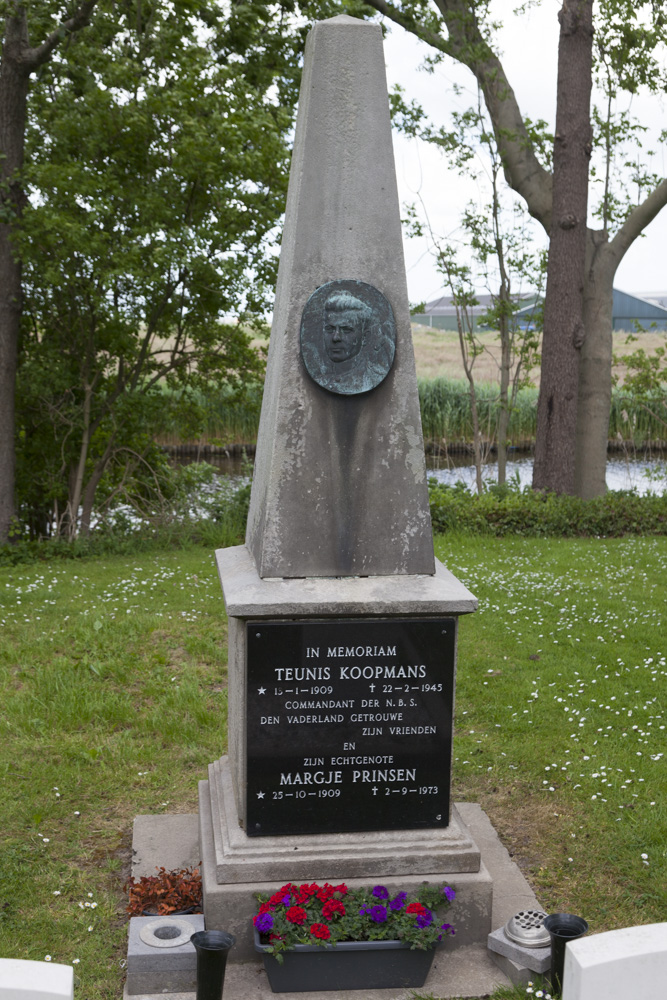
x: 348, y: 336
x: 349, y: 725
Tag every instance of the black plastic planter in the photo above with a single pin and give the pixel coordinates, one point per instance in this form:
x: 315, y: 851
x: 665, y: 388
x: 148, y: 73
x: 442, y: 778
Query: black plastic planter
x: 348, y: 965
x: 562, y: 927
x: 212, y: 948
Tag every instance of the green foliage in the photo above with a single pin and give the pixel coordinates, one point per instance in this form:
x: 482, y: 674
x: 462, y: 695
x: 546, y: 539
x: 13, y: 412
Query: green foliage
x: 446, y: 412
x: 638, y: 414
x: 507, y: 511
x: 559, y: 705
x: 157, y: 157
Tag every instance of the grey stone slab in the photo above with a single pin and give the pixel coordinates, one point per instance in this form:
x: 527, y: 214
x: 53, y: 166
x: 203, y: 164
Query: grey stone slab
x: 161, y: 969
x: 534, y: 959
x: 340, y: 483
x: 230, y: 906
x: 517, y: 973
x: 247, y: 595
x: 175, y: 843
x: 511, y: 891
x: 239, y: 858
x: 462, y: 972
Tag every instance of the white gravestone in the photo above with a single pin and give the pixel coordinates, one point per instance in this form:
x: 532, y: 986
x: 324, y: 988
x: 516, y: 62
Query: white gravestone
x: 23, y: 980
x: 627, y: 964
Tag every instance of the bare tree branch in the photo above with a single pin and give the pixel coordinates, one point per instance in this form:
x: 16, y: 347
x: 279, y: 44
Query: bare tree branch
x: 638, y: 220
x: 467, y: 44
x: 40, y: 54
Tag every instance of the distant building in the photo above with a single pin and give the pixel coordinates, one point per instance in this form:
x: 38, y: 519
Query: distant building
x: 442, y: 314
x: 648, y: 311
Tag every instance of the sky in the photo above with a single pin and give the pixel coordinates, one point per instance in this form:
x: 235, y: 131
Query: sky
x: 529, y: 50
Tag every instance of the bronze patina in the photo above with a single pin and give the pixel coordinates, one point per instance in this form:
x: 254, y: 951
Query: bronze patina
x: 348, y: 336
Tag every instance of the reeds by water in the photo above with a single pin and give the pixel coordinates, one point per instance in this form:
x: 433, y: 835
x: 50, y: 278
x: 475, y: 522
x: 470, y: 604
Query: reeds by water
x: 227, y: 418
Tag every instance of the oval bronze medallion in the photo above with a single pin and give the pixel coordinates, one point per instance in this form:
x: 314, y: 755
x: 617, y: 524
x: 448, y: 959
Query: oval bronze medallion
x: 348, y: 336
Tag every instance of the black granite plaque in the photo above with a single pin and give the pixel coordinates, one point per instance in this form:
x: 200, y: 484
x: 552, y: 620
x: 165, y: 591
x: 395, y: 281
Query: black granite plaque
x: 349, y: 725
x: 348, y: 336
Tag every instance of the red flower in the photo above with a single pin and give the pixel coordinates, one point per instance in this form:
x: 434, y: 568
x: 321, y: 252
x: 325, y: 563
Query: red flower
x: 415, y: 908
x: 342, y: 888
x: 296, y: 915
x: 285, y: 891
x: 320, y: 931
x: 332, y: 906
x: 326, y: 892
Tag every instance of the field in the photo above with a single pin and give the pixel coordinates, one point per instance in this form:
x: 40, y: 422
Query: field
x: 114, y: 694
x: 437, y: 353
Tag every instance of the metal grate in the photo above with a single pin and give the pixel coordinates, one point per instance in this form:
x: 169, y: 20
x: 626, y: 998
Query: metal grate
x: 526, y: 928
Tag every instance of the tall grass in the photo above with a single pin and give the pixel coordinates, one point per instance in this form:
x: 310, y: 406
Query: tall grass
x: 223, y: 416
x: 220, y: 415
x: 446, y: 413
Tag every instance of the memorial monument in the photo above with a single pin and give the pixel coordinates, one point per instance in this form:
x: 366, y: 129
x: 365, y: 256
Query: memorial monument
x: 342, y: 625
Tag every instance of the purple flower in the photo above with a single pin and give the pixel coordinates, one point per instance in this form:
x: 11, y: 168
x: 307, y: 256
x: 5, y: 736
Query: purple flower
x: 449, y: 893
x: 264, y: 923
x: 424, y: 919
x: 446, y: 927
x: 380, y: 892
x: 378, y: 914
x: 399, y: 901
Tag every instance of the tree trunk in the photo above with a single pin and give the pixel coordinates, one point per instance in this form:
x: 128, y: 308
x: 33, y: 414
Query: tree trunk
x: 18, y: 61
x: 13, y: 98
x: 594, y: 403
x: 563, y: 308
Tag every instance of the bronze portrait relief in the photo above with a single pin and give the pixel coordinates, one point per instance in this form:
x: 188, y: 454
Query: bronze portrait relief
x: 348, y: 336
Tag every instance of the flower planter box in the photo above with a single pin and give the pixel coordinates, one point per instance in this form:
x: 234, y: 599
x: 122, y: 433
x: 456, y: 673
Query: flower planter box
x: 349, y: 965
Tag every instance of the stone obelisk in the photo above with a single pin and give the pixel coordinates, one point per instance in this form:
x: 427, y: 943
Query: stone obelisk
x: 342, y: 625
x: 340, y: 481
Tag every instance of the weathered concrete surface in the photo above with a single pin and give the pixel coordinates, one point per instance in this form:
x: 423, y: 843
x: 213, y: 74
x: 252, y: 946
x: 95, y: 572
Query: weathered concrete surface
x: 171, y: 967
x: 247, y: 595
x: 340, y: 482
x: 235, y: 857
x: 231, y: 906
x: 467, y: 971
x: 531, y: 959
x: 511, y: 891
x: 464, y: 972
x: 175, y: 844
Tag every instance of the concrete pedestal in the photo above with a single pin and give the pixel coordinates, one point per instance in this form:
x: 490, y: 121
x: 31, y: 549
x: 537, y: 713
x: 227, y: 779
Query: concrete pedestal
x: 401, y: 860
x: 236, y: 867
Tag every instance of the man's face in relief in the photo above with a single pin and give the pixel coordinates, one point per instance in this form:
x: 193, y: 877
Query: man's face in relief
x: 343, y: 334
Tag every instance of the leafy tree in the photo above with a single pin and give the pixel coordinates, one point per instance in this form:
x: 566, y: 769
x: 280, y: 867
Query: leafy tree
x: 157, y: 156
x: 628, y: 36
x: 502, y: 260
x: 19, y: 60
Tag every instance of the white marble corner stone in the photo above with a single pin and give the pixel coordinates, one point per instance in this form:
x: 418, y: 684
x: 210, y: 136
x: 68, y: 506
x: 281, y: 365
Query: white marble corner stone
x: 25, y: 980
x: 626, y: 964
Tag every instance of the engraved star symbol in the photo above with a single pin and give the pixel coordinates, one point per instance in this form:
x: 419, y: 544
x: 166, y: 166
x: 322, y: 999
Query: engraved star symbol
x: 260, y: 795
x: 261, y: 690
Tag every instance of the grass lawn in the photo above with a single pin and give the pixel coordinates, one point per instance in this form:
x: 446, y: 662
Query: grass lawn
x: 114, y: 698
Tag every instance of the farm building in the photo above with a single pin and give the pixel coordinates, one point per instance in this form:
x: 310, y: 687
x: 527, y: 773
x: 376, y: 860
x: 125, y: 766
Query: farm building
x: 441, y: 313
x: 647, y: 311
x: 630, y: 311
